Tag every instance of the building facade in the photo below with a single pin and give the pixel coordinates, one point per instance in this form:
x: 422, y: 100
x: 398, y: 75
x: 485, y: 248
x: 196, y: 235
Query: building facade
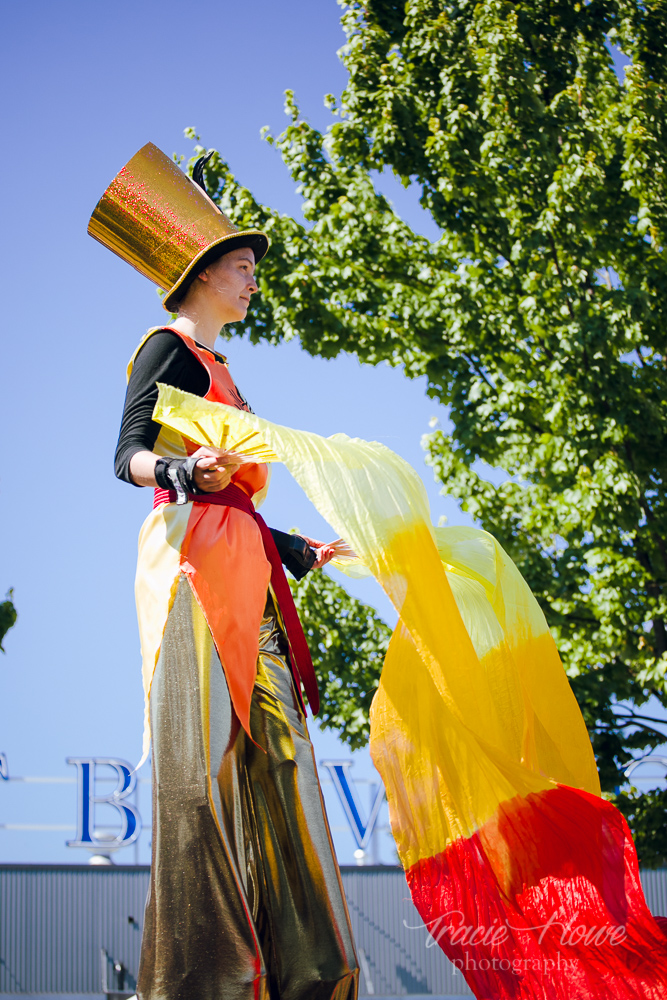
x: 75, y: 931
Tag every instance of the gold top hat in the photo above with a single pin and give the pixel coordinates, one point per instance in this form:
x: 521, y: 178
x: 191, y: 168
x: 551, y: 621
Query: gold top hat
x: 161, y: 222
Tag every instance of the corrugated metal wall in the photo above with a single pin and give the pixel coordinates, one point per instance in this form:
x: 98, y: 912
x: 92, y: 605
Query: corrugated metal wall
x: 396, y: 954
x: 55, y: 921
x: 655, y: 889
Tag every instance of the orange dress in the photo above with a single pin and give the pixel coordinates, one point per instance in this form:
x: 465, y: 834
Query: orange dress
x: 219, y: 549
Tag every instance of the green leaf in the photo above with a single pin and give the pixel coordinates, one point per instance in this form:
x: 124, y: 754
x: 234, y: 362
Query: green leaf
x: 8, y: 616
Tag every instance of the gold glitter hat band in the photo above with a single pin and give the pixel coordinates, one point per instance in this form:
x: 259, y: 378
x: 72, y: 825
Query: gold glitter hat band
x: 163, y: 224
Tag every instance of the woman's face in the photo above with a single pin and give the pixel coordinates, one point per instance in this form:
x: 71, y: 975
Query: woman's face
x: 228, y: 284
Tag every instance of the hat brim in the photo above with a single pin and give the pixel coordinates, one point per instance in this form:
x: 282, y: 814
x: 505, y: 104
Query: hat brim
x: 253, y: 238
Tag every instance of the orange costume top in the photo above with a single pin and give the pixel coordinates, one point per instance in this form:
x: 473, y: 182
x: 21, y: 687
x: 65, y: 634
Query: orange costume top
x: 219, y: 548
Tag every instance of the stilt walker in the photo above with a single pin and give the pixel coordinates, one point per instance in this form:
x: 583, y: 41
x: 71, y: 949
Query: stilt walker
x: 245, y: 898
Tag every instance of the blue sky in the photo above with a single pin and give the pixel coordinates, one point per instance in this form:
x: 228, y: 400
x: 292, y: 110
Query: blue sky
x: 85, y: 86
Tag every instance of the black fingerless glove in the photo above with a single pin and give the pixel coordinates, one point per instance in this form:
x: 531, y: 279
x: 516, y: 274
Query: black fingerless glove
x: 177, y: 474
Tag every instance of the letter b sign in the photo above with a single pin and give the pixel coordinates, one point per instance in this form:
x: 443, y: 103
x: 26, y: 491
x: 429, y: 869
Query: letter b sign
x: 88, y: 798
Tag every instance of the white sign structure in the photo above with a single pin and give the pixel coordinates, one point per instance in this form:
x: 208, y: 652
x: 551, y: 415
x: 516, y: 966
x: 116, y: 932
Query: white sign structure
x: 93, y: 772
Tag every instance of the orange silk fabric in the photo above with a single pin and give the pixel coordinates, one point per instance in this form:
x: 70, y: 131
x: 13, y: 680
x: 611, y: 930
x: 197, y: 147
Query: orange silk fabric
x: 222, y: 555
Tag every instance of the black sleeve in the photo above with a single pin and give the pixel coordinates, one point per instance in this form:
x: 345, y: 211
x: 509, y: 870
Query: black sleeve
x: 163, y: 358
x: 295, y: 553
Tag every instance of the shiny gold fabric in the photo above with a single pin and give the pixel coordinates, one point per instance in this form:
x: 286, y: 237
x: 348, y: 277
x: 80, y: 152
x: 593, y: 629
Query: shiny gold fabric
x: 245, y: 898
x: 161, y: 222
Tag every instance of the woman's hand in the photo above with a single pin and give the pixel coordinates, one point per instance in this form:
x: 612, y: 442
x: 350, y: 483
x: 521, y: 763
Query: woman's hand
x: 215, y: 468
x: 326, y: 551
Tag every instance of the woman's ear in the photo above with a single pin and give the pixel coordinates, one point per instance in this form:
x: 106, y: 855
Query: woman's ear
x: 203, y: 275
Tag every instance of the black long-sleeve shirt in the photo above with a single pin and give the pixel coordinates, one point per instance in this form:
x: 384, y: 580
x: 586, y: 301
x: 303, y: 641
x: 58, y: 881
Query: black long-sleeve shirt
x: 165, y: 358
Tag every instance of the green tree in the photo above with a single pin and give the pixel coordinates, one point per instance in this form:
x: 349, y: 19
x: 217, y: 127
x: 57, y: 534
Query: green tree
x: 348, y: 641
x: 539, y: 317
x: 643, y: 811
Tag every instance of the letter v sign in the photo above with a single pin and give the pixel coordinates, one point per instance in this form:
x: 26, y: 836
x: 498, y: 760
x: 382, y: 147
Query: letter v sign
x: 349, y: 800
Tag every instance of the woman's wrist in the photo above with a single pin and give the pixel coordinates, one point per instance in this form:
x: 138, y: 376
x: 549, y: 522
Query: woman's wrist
x: 142, y: 468
x: 161, y: 467
x: 177, y: 475
x: 207, y: 471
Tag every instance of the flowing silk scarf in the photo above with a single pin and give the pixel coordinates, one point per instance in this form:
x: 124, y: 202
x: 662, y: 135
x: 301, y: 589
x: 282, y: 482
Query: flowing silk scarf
x: 523, y: 874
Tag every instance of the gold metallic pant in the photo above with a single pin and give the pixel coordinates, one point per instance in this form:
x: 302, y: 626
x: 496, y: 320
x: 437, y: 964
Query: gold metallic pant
x: 245, y: 900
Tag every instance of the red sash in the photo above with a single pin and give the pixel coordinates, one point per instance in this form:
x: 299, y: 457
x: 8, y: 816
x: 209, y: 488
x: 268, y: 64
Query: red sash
x: 234, y: 496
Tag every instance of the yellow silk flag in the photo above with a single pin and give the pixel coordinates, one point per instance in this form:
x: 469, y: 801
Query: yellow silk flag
x: 490, y: 777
